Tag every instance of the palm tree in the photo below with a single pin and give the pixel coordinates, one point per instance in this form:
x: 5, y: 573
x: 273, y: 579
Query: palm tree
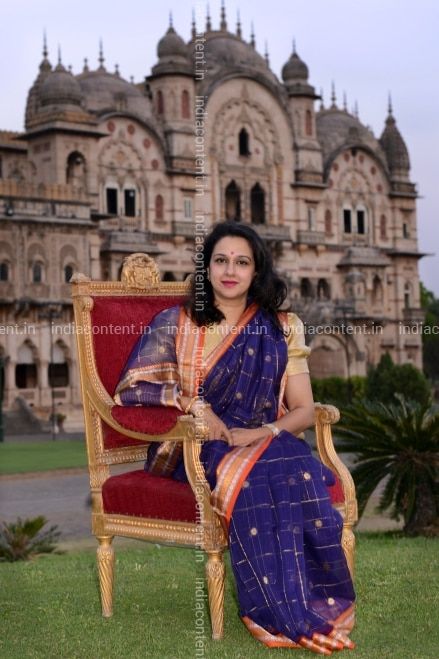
x: 397, y: 443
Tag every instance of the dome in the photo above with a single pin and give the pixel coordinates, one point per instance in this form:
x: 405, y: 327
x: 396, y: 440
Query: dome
x: 226, y: 52
x: 60, y: 87
x: 104, y: 91
x: 337, y: 129
x: 394, y: 147
x: 171, y: 45
x: 295, y: 69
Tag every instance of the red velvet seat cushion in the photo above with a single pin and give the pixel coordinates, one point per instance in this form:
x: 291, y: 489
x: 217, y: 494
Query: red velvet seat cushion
x: 141, y: 494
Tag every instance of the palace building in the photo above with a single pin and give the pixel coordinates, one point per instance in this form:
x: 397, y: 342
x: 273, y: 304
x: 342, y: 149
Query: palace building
x: 106, y: 167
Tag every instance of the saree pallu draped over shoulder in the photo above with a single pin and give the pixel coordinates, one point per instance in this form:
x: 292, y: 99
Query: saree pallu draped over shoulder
x: 293, y: 582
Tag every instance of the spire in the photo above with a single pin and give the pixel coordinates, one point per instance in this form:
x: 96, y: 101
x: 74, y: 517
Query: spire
x: 116, y: 70
x: 252, y: 37
x: 101, y: 58
x: 389, y: 107
x: 294, y: 47
x: 193, y: 26
x: 85, y: 69
x: 345, y: 102
x: 208, y: 21
x: 333, y: 97
x: 322, y: 102
x: 223, y: 24
x: 59, y: 66
x: 45, y: 51
x: 170, y: 19
x: 238, y: 25
x: 356, y: 114
x: 266, y: 55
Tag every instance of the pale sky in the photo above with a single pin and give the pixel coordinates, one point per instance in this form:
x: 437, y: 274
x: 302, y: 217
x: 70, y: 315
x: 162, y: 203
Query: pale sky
x: 368, y: 47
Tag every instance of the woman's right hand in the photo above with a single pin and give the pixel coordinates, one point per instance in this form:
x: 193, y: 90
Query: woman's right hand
x: 217, y: 428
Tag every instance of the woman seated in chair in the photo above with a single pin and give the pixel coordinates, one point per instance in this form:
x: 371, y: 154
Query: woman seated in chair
x: 230, y: 358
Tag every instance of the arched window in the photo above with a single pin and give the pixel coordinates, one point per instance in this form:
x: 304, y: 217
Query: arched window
x: 361, y: 220
x: 328, y: 222
x: 75, y: 172
x: 185, y: 108
x: 160, y: 102
x: 159, y: 207
x: 308, y: 123
x: 407, y: 296
x: 383, y: 227
x: 25, y: 369
x: 347, y: 220
x: 306, y: 289
x: 4, y: 271
x: 68, y: 273
x: 377, y: 290
x: 58, y: 368
x: 37, y: 273
x: 233, y: 202
x: 323, y: 290
x: 257, y: 204
x: 244, y: 143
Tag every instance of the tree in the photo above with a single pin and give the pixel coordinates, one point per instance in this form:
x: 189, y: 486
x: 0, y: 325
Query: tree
x: 398, y: 444
x: 387, y: 379
x: 430, y: 339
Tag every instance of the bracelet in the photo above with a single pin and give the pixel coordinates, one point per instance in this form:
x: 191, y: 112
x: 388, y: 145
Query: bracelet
x: 194, y: 400
x: 274, y: 429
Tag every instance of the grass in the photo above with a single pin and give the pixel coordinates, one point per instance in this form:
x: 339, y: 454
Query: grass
x: 21, y: 457
x: 50, y: 607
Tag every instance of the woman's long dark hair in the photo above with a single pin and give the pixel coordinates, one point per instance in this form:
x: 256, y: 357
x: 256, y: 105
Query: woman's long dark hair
x: 268, y: 290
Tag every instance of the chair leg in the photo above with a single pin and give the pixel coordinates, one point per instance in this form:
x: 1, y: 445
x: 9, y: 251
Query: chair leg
x: 105, y: 558
x: 215, y: 574
x: 348, y: 545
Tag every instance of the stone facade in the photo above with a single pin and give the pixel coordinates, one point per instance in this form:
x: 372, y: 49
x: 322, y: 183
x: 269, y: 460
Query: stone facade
x: 106, y: 167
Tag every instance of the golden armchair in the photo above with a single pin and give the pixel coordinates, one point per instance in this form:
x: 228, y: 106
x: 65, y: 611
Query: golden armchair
x: 140, y: 505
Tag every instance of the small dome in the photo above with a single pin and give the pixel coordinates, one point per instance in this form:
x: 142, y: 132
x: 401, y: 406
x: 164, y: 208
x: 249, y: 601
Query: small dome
x: 171, y: 44
x: 104, y: 92
x: 394, y: 147
x: 60, y: 87
x: 294, y: 69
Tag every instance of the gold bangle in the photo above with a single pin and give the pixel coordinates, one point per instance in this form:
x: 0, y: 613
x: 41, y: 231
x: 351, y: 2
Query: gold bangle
x: 194, y: 400
x: 274, y: 429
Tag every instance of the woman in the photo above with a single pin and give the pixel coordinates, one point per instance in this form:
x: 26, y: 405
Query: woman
x: 231, y: 357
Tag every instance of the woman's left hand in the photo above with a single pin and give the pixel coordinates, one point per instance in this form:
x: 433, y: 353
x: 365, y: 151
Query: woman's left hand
x: 245, y: 437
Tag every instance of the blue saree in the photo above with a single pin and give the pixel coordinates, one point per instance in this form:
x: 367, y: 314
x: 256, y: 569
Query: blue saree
x: 291, y: 574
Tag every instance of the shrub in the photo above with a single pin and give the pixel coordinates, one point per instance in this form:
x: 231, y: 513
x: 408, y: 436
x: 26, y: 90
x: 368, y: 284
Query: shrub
x: 23, y: 539
x: 387, y: 379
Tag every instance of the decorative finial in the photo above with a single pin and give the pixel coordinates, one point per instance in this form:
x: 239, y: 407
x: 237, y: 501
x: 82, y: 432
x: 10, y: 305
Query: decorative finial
x: 238, y: 25
x: 208, y: 21
x: 390, y: 108
x: 252, y: 37
x: 116, y: 70
x: 170, y: 19
x: 345, y: 103
x: 193, y: 26
x: 294, y: 47
x: 101, y: 58
x: 333, y: 96
x: 132, y: 80
x: 59, y: 56
x: 356, y: 113
x: 45, y: 51
x: 85, y: 69
x: 223, y: 24
x: 266, y: 55
x: 322, y: 102
x: 70, y: 68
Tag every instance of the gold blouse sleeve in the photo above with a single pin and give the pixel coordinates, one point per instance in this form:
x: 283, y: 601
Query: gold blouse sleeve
x: 298, y: 352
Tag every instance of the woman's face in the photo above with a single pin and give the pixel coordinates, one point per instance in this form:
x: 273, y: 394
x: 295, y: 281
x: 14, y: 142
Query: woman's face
x: 231, y: 268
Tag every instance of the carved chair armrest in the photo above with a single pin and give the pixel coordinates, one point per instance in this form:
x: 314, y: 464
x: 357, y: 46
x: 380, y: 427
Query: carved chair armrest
x: 326, y: 415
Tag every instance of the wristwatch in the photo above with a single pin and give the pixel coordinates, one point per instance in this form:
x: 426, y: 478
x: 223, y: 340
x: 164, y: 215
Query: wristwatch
x: 274, y: 429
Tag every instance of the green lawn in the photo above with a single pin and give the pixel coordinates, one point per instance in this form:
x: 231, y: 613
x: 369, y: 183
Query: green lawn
x: 50, y: 609
x: 20, y: 457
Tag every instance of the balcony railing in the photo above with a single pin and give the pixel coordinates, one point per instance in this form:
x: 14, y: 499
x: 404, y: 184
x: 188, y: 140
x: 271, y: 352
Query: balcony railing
x: 272, y: 231
x: 310, y: 237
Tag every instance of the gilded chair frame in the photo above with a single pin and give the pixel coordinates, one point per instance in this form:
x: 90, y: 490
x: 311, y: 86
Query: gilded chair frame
x: 141, y: 277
